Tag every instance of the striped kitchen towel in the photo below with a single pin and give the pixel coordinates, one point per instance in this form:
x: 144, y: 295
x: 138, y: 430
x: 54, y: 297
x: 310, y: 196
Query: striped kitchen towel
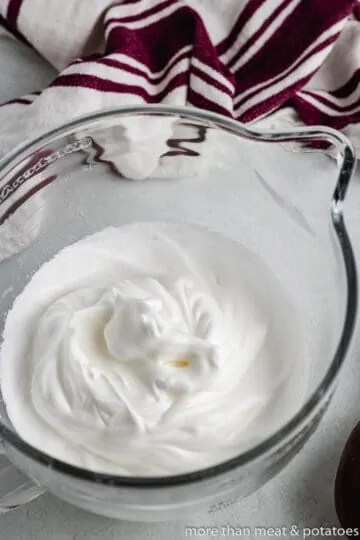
x: 277, y: 63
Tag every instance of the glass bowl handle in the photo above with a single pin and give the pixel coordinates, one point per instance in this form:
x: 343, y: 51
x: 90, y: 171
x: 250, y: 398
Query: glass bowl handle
x: 343, y: 151
x: 22, y: 494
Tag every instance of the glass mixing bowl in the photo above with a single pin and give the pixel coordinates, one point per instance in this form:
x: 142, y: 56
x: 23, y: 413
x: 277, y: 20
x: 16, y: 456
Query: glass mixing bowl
x: 278, y: 194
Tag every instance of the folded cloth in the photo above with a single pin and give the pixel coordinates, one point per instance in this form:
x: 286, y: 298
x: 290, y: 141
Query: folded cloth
x: 281, y: 62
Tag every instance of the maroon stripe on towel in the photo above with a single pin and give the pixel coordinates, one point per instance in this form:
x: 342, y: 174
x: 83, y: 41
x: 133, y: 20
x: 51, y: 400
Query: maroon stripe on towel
x: 291, y: 39
x: 198, y: 100
x: 267, y: 22
x: 270, y: 104
x: 299, y: 83
x: 348, y: 88
x: 13, y: 11
x: 313, y: 116
x: 141, y: 14
x: 250, y: 9
x: 122, y: 65
x: 349, y: 109
x: 106, y: 85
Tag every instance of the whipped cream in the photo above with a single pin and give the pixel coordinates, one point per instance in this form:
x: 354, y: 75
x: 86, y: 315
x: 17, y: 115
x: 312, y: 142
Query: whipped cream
x: 151, y: 349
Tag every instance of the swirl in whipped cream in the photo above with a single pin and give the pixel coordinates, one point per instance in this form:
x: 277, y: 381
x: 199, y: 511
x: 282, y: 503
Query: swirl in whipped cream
x: 143, y: 353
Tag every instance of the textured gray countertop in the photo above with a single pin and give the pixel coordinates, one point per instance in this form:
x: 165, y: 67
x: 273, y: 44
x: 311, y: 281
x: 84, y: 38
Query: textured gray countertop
x: 301, y: 495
